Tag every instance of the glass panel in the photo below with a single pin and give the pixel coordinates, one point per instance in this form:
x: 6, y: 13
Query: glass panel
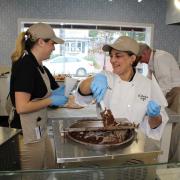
x: 131, y: 172
x: 86, y: 42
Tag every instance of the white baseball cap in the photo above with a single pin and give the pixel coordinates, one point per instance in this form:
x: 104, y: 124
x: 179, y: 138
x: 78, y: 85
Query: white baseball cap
x: 123, y: 43
x: 44, y: 31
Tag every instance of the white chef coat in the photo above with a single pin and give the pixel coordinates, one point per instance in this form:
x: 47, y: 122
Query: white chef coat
x: 166, y: 70
x: 129, y: 100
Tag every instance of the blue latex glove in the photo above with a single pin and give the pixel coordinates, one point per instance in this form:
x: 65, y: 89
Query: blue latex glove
x: 59, y: 91
x: 58, y: 100
x: 153, y: 109
x: 99, y: 86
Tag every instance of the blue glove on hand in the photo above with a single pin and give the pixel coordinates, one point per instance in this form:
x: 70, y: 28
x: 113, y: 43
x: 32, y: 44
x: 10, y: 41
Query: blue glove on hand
x: 99, y: 86
x: 153, y: 109
x: 58, y: 100
x: 59, y: 91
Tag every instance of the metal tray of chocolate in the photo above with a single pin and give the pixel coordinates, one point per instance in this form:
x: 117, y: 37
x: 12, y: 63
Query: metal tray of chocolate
x: 93, y: 134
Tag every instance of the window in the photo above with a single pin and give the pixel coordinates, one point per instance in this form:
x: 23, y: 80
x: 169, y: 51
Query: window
x: 85, y: 43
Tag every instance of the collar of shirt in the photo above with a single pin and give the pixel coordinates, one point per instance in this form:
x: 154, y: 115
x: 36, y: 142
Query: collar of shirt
x: 134, y: 72
x: 151, y: 62
x: 35, y: 62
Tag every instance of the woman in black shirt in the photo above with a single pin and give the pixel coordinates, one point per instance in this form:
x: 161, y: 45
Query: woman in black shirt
x: 32, y: 91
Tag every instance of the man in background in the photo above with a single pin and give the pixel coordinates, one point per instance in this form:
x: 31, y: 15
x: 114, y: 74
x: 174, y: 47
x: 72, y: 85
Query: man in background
x: 167, y: 73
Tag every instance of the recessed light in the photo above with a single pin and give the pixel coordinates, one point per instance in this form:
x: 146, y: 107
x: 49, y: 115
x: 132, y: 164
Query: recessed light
x: 177, y: 3
x: 139, y: 1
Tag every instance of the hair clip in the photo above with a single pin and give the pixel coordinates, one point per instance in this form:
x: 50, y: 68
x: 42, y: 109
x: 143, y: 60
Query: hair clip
x: 26, y: 37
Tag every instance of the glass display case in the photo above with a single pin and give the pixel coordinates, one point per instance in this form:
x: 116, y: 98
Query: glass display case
x: 163, y: 171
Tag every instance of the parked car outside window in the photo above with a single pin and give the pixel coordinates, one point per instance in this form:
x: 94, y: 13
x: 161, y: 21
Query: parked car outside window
x: 69, y: 65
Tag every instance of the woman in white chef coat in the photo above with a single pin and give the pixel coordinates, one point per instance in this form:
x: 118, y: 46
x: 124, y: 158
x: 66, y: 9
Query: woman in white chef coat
x: 125, y: 91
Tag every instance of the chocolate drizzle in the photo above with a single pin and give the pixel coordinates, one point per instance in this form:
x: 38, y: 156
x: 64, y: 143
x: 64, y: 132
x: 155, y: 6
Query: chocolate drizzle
x: 108, y: 118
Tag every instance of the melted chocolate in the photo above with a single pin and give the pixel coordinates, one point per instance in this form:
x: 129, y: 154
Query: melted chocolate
x: 101, y: 137
x: 108, y: 118
x: 108, y: 137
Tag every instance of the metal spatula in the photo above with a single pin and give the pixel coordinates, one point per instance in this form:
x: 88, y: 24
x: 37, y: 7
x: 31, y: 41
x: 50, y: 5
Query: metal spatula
x: 110, y: 128
x: 102, y: 106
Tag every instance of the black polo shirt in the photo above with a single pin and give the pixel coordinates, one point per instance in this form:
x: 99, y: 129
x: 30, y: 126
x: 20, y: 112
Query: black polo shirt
x: 25, y: 77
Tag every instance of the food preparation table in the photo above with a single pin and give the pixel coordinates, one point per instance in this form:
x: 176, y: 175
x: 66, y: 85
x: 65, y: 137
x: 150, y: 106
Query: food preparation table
x: 72, y: 154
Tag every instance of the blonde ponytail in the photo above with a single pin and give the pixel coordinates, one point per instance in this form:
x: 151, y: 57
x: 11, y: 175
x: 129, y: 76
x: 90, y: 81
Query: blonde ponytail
x: 20, y: 46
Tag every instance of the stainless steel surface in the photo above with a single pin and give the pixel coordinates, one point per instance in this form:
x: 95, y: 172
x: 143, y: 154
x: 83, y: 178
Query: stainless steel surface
x: 86, y: 125
x: 89, y: 111
x: 68, y: 151
x: 84, y: 129
x: 7, y: 133
x: 173, y: 116
x: 102, y: 105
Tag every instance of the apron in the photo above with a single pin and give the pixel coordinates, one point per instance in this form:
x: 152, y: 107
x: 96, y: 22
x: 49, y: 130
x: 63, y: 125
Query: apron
x: 34, y: 124
x: 173, y: 96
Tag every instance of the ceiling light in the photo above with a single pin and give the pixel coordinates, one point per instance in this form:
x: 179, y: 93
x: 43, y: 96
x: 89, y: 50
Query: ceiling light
x: 177, y: 3
x: 139, y: 1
